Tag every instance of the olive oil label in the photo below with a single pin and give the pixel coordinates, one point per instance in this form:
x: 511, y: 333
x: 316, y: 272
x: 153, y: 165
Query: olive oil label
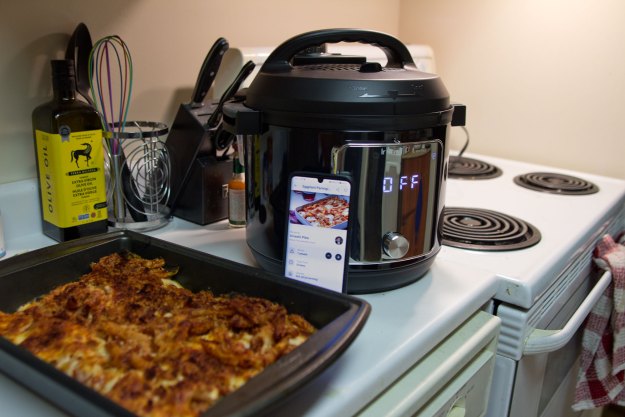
x: 71, y: 177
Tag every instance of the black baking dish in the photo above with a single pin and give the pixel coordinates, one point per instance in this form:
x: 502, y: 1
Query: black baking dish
x: 338, y: 317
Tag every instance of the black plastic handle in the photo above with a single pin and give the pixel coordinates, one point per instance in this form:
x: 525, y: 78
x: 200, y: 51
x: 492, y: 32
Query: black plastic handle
x: 209, y: 69
x: 78, y: 50
x: 229, y: 93
x: 396, y: 52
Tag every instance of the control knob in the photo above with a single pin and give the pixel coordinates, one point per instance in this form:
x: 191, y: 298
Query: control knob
x: 395, y: 245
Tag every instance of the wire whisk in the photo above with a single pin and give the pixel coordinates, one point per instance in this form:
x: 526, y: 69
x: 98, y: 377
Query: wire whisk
x: 137, y: 163
x: 110, y: 79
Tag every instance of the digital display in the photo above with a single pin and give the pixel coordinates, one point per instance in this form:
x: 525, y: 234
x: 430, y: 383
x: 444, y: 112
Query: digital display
x: 390, y: 184
x: 396, y: 178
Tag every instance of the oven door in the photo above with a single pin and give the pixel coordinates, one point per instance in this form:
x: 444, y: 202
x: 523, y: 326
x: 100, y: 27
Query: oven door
x: 546, y: 374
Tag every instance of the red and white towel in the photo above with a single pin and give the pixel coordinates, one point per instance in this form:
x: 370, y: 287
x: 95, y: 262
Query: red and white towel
x: 601, y: 378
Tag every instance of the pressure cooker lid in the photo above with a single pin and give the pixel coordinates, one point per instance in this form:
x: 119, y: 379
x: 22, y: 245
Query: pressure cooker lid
x: 326, y: 85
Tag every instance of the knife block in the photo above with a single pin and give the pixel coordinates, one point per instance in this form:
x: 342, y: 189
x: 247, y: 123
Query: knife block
x: 205, y: 198
x: 199, y: 180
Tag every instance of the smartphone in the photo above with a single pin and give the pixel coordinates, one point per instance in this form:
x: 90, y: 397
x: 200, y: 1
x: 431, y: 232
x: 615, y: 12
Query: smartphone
x: 317, y: 233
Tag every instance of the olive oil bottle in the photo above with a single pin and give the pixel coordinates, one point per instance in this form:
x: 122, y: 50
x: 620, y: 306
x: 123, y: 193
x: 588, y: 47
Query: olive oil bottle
x: 70, y: 161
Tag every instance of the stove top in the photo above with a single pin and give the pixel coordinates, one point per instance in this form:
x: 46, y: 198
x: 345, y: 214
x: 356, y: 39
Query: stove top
x: 556, y: 183
x: 461, y: 167
x: 569, y: 226
x: 486, y: 230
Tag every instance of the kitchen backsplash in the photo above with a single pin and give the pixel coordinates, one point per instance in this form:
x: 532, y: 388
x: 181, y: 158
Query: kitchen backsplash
x: 549, y: 95
x: 168, y: 41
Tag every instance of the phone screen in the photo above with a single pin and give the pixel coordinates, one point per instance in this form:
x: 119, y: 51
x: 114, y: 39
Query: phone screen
x: 317, y: 230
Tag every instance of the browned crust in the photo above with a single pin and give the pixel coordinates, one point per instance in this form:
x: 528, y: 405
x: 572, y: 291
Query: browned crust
x: 158, y: 350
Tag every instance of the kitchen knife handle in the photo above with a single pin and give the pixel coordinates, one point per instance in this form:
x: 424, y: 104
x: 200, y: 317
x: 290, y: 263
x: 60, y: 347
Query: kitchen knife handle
x: 230, y: 92
x: 396, y: 52
x: 78, y: 50
x: 209, y: 69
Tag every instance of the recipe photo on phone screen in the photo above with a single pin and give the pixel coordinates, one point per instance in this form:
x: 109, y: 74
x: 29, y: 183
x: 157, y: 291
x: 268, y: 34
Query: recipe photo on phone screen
x: 317, y: 231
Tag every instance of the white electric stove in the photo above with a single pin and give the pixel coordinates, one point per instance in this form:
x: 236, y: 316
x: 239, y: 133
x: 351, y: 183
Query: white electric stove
x: 547, y: 285
x: 565, y: 223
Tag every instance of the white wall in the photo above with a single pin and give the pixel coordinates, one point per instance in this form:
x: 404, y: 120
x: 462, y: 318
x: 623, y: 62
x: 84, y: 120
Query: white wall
x: 543, y: 80
x: 168, y: 41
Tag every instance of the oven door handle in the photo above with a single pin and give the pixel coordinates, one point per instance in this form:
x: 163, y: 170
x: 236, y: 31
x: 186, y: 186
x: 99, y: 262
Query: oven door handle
x: 545, y: 341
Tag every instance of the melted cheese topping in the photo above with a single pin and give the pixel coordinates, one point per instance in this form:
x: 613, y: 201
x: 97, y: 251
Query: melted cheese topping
x: 130, y: 332
x: 327, y: 212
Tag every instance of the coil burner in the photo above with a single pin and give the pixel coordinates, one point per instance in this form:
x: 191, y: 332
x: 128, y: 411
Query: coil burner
x: 486, y: 230
x: 461, y: 167
x: 555, y: 183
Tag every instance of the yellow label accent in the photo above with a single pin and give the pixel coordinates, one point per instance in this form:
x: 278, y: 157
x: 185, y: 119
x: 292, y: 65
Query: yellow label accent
x: 71, y: 177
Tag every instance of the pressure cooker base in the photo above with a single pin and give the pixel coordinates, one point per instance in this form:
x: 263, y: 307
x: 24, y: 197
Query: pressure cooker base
x: 365, y: 281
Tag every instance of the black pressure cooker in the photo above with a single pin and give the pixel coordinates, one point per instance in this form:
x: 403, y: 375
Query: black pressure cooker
x: 385, y: 126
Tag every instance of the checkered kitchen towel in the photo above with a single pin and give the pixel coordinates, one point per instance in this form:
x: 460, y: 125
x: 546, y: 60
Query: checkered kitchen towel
x: 601, y: 378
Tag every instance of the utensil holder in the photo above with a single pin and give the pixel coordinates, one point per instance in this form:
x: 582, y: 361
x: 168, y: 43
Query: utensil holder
x: 138, y: 171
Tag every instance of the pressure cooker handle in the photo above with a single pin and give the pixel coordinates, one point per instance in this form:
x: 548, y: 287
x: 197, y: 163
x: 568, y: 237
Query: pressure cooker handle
x: 396, y: 52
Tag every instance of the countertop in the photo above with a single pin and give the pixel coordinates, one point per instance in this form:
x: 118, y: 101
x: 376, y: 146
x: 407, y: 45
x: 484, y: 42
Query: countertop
x: 404, y: 325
